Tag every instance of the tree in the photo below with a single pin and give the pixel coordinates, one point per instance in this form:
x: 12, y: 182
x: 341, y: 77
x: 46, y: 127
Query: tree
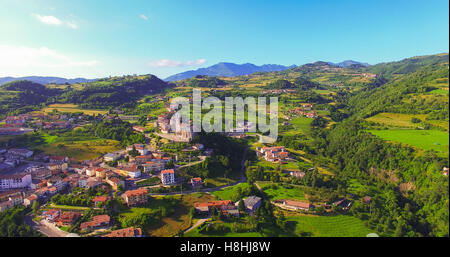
x: 134, y: 152
x: 241, y: 206
x: 35, y: 207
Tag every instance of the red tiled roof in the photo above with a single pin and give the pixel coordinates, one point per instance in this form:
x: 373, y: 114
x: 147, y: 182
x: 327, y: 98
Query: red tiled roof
x: 167, y: 171
x: 139, y: 191
x: 125, y: 232
x: 102, y: 198
x: 213, y: 203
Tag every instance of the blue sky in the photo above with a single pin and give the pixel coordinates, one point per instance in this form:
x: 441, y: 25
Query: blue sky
x: 98, y: 38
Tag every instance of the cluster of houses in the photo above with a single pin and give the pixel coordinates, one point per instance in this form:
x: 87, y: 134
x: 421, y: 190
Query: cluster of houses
x: 273, y: 154
x: 13, y: 157
x: 304, y: 111
x: 278, y: 91
x: 227, y: 207
x: 24, y: 123
x: 181, y: 132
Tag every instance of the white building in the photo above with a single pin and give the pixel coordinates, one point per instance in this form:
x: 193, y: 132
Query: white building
x: 15, y: 181
x: 110, y: 157
x: 168, y: 177
x: 25, y: 153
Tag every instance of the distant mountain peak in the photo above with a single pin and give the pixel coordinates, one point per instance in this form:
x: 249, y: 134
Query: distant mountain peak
x: 348, y: 63
x: 228, y: 69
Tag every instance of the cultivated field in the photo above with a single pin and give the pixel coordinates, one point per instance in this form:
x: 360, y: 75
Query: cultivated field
x: 328, y: 226
x: 423, y: 139
x: 80, y: 150
x: 71, y: 108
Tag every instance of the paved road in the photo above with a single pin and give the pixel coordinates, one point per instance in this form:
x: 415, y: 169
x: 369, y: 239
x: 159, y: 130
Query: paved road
x: 45, y: 227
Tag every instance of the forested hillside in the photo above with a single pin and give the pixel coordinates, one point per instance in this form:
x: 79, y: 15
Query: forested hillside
x: 114, y: 92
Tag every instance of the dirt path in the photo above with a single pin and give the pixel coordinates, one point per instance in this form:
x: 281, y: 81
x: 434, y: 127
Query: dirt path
x: 198, y: 223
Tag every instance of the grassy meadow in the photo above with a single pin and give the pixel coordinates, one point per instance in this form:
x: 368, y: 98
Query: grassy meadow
x: 328, y: 226
x: 423, y: 139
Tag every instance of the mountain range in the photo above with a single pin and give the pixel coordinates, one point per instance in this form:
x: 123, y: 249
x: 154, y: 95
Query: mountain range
x: 45, y: 80
x: 349, y: 63
x: 227, y: 69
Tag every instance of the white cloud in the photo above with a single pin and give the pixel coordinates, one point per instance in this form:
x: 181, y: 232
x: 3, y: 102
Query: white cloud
x: 49, y: 20
x: 22, y: 60
x: 143, y: 17
x: 53, y: 21
x: 171, y: 63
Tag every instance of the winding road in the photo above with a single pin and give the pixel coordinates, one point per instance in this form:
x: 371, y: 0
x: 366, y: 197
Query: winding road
x: 242, y: 179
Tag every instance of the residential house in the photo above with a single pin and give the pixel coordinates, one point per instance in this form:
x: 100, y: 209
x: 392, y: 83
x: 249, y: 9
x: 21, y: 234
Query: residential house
x: 30, y: 200
x: 100, y: 199
x: 96, y: 222
x: 58, y: 159
x: 251, y: 203
x: 154, y: 166
x: 295, y: 205
x: 168, y: 177
x: 52, y: 214
x: 67, y: 218
x: 196, y: 182
x: 125, y: 232
x: 25, y: 153
x: 219, y: 205
x: 15, y: 181
x: 115, y: 182
x: 141, y: 148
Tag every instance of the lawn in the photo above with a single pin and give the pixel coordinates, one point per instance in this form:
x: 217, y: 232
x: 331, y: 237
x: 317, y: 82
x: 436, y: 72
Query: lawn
x: 227, y: 193
x: 301, y: 124
x: 69, y: 207
x: 71, y: 108
x: 439, y: 92
x: 196, y: 233
x: 397, y: 119
x: 277, y: 192
x: 329, y: 226
x: 423, y: 139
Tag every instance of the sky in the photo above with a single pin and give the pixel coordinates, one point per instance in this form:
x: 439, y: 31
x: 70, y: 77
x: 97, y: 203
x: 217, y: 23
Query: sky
x: 100, y: 38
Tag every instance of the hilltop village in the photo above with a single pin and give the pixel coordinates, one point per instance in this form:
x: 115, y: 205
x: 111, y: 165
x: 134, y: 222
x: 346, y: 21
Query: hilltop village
x: 100, y: 159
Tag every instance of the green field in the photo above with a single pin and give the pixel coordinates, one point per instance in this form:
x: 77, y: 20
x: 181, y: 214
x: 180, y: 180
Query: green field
x: 329, y: 226
x: 277, y: 192
x: 301, y: 124
x: 227, y: 193
x: 423, y: 139
x: 439, y: 92
x: 71, y: 108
